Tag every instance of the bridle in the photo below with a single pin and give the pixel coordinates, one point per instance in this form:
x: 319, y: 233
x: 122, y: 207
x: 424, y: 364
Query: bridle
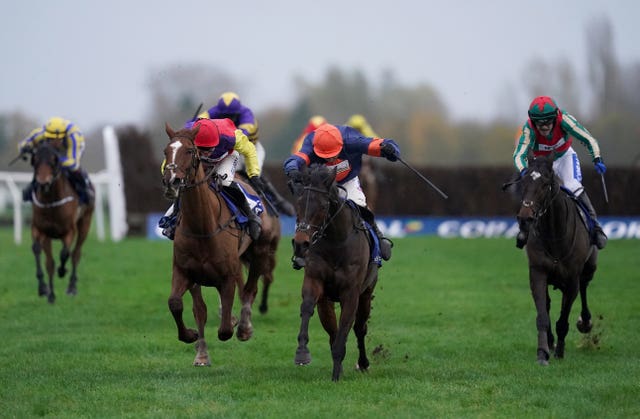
x: 318, y: 231
x: 56, y: 170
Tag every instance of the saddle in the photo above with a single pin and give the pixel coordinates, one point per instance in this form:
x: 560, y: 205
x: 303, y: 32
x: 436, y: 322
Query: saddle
x: 374, y: 241
x: 583, y: 211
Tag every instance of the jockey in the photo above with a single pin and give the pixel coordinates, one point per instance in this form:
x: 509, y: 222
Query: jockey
x: 314, y: 122
x: 229, y: 106
x: 342, y: 147
x: 222, y: 144
x: 66, y: 137
x: 551, y: 130
x: 360, y: 123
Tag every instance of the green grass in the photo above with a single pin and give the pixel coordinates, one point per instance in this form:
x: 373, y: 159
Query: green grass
x: 452, y: 334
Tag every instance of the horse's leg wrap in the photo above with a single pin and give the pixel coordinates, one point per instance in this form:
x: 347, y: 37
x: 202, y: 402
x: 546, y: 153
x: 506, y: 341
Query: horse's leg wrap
x: 255, y: 224
x: 598, y: 238
x: 281, y: 204
x: 385, y: 243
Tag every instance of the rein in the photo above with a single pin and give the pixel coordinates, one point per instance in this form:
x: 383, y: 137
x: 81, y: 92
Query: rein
x: 304, y: 226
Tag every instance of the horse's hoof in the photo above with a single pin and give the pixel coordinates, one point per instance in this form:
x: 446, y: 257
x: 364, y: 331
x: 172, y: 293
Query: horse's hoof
x: 42, y: 291
x: 543, y: 362
x: 51, y: 299
x: 263, y: 309
x: 225, y: 334
x: 244, y: 333
x: 302, y: 358
x: 61, y: 272
x: 72, y: 291
x: 584, y: 327
x: 200, y: 363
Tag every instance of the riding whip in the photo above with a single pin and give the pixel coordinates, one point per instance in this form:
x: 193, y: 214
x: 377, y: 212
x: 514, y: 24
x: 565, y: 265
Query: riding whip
x: 444, y: 195
x: 604, y: 188
x: 195, y: 115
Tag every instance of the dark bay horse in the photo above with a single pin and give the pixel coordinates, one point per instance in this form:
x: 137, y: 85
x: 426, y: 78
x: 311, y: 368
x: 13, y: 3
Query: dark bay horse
x: 332, y: 245
x: 209, y: 249
x: 57, y: 214
x: 559, y: 251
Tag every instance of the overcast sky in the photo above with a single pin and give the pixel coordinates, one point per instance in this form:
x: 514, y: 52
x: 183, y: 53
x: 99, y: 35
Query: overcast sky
x: 91, y: 61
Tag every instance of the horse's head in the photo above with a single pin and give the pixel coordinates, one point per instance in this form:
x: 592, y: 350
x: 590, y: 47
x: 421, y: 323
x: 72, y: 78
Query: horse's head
x: 313, y: 196
x: 538, y: 186
x: 181, y: 161
x: 46, y: 163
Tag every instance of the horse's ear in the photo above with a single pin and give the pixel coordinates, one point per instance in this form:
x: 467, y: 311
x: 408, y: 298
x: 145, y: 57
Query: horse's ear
x: 170, y: 132
x: 332, y: 176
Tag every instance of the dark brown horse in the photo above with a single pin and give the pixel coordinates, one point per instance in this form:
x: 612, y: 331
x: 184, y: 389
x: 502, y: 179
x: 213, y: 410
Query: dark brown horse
x: 209, y: 249
x: 57, y: 214
x: 559, y: 251
x: 333, y: 246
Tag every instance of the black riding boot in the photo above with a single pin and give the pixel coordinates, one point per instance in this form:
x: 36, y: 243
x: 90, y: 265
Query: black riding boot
x: 282, y: 205
x: 385, y: 243
x: 81, y: 183
x: 27, y: 192
x: 255, y: 224
x: 598, y: 238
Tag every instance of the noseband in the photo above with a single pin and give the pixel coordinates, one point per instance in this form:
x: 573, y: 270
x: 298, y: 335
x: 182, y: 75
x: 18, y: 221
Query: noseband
x: 196, y: 158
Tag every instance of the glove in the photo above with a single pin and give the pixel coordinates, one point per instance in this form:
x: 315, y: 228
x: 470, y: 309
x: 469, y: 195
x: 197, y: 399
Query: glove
x: 257, y: 184
x: 600, y: 167
x: 294, y: 175
x: 523, y: 172
x: 390, y: 150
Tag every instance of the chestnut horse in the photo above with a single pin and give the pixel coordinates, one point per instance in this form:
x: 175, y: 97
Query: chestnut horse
x: 332, y: 244
x: 57, y: 214
x: 209, y: 249
x: 559, y: 251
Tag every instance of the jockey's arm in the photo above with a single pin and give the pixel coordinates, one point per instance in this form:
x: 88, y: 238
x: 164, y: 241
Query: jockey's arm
x: 525, y: 142
x: 248, y: 151
x: 572, y: 127
x: 74, y: 145
x: 35, y: 136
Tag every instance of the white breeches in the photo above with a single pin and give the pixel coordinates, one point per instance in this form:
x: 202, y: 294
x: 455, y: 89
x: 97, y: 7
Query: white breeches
x: 568, y: 170
x: 354, y: 191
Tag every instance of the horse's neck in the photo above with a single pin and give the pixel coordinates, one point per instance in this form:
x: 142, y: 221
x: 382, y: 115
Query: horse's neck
x: 201, y: 208
x: 558, y: 218
x: 342, y: 221
x: 60, y: 189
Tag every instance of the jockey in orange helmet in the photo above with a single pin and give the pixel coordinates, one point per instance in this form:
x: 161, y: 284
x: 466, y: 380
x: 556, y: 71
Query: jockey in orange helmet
x: 342, y: 147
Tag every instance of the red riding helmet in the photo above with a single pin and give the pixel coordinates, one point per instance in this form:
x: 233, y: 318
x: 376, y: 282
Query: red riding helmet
x: 208, y: 135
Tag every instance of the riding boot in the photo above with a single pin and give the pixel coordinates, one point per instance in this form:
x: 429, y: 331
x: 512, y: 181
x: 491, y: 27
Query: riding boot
x: 27, y: 192
x: 255, y: 224
x: 385, y: 243
x: 282, y: 205
x: 82, y: 185
x: 169, y: 221
x: 598, y: 237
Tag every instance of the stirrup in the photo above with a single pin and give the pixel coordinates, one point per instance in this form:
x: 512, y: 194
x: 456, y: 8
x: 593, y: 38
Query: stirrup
x: 600, y: 239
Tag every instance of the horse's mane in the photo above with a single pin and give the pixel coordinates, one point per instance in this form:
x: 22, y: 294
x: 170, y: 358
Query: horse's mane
x: 319, y: 175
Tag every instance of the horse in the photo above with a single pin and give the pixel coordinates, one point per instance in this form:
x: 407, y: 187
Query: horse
x: 559, y: 252
x: 332, y: 245
x: 209, y: 249
x: 57, y: 214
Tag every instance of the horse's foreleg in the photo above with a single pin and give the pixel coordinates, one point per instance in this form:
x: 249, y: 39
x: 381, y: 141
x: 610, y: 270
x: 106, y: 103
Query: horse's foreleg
x: 348, y: 310
x: 200, y: 315
x: 562, y: 325
x: 226, y: 291
x: 50, y: 267
x: 311, y: 290
x: 67, y: 241
x: 360, y: 328
x: 36, y: 248
x: 179, y: 286
x: 538, y: 285
x: 247, y: 296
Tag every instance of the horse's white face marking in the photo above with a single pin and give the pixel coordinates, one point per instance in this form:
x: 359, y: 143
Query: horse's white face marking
x: 175, y: 146
x: 535, y: 175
